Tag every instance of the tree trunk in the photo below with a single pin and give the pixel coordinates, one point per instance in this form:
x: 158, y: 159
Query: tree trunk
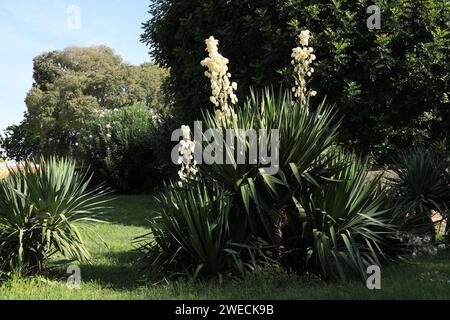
x: 281, y: 221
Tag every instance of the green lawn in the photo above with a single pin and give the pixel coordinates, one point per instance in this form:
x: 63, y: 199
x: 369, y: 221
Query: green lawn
x: 113, y: 275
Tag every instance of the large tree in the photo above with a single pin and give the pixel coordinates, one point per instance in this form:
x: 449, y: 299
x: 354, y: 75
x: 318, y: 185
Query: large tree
x: 391, y: 86
x: 69, y: 87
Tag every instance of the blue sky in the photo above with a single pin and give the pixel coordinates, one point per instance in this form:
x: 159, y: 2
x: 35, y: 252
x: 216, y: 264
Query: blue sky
x: 30, y: 27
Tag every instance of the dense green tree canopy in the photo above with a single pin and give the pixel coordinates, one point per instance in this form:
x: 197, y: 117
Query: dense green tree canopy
x: 69, y: 86
x: 391, y: 86
x: 18, y: 142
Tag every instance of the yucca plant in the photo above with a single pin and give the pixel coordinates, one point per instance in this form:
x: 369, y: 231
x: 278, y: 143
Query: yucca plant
x: 305, y: 153
x: 421, y: 181
x: 192, y: 236
x: 39, y: 205
x: 319, y: 211
x: 346, y: 226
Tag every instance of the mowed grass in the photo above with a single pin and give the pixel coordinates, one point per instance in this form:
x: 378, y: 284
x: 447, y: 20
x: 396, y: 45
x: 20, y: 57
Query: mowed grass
x: 113, y: 273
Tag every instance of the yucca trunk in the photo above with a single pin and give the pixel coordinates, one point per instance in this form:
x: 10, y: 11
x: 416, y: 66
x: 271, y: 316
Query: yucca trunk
x: 35, y: 255
x: 281, y: 221
x: 37, y: 264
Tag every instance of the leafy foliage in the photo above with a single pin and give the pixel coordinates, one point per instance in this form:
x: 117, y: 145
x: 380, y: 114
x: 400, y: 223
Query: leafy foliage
x: 390, y: 85
x: 346, y: 225
x: 320, y: 211
x: 19, y: 142
x: 39, y: 205
x: 68, y: 87
x: 304, y: 137
x: 421, y: 181
x: 192, y: 234
x: 118, y: 147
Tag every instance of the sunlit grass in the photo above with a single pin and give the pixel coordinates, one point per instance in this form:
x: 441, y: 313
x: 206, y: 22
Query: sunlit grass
x: 113, y: 273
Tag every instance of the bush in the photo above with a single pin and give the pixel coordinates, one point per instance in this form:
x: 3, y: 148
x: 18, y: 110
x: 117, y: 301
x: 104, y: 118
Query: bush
x: 163, y: 129
x: 346, y: 226
x: 315, y: 206
x: 304, y: 139
x: 117, y: 146
x: 192, y: 235
x: 39, y: 205
x: 421, y: 182
x: 319, y: 212
x: 390, y: 85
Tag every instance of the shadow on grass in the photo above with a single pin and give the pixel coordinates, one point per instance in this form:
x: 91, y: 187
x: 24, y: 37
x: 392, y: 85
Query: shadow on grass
x: 131, y: 210
x: 122, y: 272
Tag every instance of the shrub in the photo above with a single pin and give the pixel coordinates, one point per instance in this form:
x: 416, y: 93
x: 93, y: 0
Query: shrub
x: 314, y: 206
x: 390, y: 85
x: 421, y: 182
x: 192, y: 235
x: 164, y: 128
x: 346, y: 227
x: 39, y: 206
x: 304, y: 137
x: 319, y: 212
x: 117, y: 146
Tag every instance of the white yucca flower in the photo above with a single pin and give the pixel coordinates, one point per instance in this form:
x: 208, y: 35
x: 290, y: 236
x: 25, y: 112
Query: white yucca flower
x: 302, y: 58
x: 186, y: 151
x: 223, y: 95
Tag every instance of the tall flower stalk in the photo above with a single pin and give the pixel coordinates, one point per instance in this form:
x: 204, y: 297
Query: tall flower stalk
x: 302, y: 58
x: 223, y: 98
x: 189, y: 168
x: 223, y: 95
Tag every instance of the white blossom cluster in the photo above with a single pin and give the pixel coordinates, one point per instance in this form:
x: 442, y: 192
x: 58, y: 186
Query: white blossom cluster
x: 103, y: 112
x: 302, y: 58
x: 100, y: 113
x: 223, y: 98
x: 189, y: 168
x: 155, y: 116
x: 223, y: 90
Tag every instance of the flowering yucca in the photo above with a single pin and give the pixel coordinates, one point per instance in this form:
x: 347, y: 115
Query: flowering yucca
x: 188, y: 165
x: 223, y: 98
x: 223, y: 95
x: 302, y: 58
x: 223, y: 90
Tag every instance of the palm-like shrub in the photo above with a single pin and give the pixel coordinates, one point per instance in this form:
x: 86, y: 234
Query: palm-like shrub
x: 347, y: 226
x: 39, y: 205
x: 305, y: 141
x: 192, y: 235
x: 421, y: 182
x: 320, y: 211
